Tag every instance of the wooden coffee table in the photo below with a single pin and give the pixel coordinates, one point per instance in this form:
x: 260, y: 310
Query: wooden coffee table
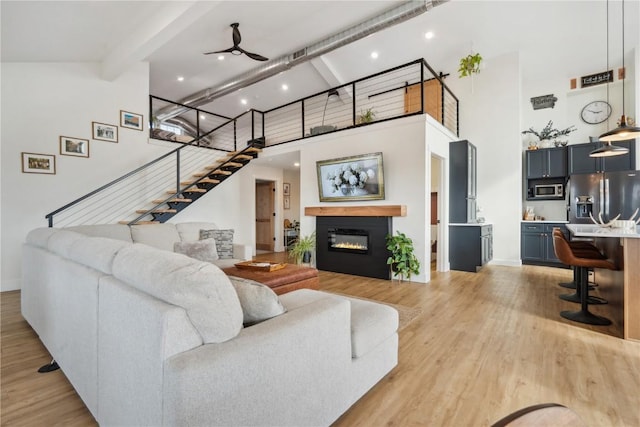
x: 287, y: 279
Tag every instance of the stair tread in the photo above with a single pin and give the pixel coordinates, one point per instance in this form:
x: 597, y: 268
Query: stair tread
x: 242, y: 157
x: 189, y: 190
x: 174, y: 200
x: 224, y: 164
x: 252, y: 150
x: 202, y: 181
x: 156, y: 211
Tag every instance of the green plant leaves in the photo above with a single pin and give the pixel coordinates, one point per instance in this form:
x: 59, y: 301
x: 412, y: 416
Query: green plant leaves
x: 470, y: 64
x: 403, y: 261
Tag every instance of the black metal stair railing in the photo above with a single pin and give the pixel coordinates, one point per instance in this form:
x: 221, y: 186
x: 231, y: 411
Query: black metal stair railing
x: 409, y: 89
x: 164, y: 181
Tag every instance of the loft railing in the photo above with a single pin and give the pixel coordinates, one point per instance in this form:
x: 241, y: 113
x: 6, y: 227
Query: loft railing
x: 409, y: 89
x: 387, y: 95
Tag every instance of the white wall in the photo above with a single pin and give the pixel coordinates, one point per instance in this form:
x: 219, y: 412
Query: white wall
x: 293, y: 178
x: 406, y: 175
x: 490, y: 119
x: 41, y: 102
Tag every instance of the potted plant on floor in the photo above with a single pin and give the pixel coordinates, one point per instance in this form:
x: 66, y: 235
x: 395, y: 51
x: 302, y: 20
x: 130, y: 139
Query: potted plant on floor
x: 403, y: 261
x: 302, y: 249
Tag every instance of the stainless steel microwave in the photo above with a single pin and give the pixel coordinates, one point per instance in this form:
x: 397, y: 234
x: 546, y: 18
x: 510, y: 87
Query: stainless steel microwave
x: 548, y: 190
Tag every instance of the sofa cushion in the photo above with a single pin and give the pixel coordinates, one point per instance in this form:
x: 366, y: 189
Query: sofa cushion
x: 371, y: 324
x: 202, y: 289
x: 224, y: 241
x: 190, y: 231
x: 203, y: 250
x: 40, y: 236
x: 111, y: 231
x: 161, y: 236
x: 258, y: 301
x: 96, y: 252
x: 61, y: 242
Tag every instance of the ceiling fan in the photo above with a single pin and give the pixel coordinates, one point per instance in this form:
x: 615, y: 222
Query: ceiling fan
x: 236, y: 49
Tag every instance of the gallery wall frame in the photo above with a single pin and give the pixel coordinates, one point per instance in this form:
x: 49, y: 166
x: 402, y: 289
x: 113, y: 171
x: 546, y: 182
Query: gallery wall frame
x: 351, y: 178
x: 104, y: 132
x: 131, y: 120
x: 286, y: 189
x: 76, y: 147
x: 38, y: 163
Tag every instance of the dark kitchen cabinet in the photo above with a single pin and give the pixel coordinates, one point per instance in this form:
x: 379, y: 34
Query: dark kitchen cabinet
x: 462, y: 182
x: 580, y: 162
x: 546, y: 163
x: 470, y: 246
x: 536, y: 243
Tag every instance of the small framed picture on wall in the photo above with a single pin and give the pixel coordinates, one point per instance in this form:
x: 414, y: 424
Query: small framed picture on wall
x: 131, y: 120
x: 74, y: 146
x: 104, y: 132
x: 286, y: 187
x: 38, y: 163
x: 287, y: 202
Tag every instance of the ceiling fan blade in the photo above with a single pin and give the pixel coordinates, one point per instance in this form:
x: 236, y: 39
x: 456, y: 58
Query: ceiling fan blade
x: 236, y: 34
x: 254, y: 56
x: 230, y: 50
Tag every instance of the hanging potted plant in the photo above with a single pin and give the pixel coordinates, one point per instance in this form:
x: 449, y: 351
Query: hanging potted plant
x: 302, y: 249
x: 403, y: 261
x: 469, y: 65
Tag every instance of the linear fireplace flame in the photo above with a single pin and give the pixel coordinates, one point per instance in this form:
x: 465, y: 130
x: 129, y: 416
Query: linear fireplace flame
x: 349, y: 245
x: 348, y: 240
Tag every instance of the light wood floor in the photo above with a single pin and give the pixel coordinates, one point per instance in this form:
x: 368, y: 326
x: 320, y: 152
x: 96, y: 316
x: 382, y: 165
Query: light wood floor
x: 485, y: 345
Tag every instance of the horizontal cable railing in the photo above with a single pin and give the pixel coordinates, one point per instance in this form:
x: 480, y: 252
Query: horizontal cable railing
x: 390, y: 94
x: 409, y: 89
x: 118, y: 200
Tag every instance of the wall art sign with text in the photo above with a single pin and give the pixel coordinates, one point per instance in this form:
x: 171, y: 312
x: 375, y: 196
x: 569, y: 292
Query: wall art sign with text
x: 544, y: 101
x: 596, y: 79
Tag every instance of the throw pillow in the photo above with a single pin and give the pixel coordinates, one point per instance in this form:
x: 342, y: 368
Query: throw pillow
x: 224, y: 241
x: 203, y: 250
x: 258, y: 301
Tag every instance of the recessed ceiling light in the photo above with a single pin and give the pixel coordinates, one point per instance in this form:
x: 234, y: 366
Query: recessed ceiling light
x: 285, y: 87
x: 243, y: 101
x: 220, y: 57
x: 296, y: 164
x: 428, y: 35
x: 374, y: 55
x: 202, y: 117
x: 180, y: 78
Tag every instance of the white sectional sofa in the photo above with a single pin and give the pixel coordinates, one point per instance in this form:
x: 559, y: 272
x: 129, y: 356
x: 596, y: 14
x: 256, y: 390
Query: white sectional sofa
x: 150, y: 337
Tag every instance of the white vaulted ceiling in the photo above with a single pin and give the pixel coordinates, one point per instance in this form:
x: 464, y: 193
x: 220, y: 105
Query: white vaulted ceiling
x: 555, y: 38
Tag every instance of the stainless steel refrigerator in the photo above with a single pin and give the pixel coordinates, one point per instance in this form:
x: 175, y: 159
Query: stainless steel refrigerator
x: 609, y: 194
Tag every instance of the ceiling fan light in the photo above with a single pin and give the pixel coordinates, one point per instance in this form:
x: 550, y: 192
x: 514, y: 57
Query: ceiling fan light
x: 609, y: 150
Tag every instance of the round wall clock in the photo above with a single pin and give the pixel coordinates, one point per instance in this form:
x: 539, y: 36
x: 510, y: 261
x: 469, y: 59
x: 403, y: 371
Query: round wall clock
x: 596, y: 112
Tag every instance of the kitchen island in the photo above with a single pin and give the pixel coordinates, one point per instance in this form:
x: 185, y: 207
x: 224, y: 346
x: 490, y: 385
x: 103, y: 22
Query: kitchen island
x: 622, y: 247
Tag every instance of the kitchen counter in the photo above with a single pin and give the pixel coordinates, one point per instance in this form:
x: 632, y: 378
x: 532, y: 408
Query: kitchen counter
x: 588, y: 230
x: 621, y: 287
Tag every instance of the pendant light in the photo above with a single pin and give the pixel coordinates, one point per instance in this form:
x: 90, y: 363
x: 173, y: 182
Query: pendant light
x: 623, y: 131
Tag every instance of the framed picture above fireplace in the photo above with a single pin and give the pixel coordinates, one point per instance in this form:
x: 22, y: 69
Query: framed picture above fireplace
x: 351, y: 178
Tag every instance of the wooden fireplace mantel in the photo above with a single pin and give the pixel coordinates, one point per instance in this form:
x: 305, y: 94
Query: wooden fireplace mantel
x: 373, y: 210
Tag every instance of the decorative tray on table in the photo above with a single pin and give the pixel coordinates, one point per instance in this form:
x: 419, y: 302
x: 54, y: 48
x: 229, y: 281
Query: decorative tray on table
x: 261, y: 265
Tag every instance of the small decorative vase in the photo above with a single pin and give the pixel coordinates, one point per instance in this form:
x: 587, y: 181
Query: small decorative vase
x: 345, y: 189
x: 545, y: 143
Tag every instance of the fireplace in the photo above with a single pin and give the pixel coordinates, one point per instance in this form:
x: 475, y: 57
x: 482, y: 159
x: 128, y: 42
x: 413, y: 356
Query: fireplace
x: 353, y: 245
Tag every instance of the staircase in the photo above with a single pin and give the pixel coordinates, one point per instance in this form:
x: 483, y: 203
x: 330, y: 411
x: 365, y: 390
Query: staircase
x: 192, y: 190
x: 193, y: 170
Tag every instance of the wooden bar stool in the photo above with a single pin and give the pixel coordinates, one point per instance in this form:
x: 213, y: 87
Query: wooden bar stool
x: 583, y: 250
x: 581, y: 261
